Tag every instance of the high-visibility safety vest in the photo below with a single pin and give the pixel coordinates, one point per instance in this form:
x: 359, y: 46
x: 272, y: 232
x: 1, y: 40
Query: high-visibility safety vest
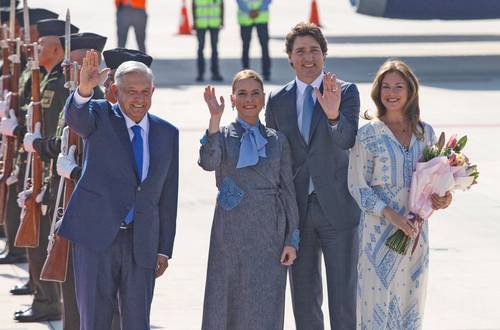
x: 207, y: 14
x: 245, y: 20
x: 139, y: 4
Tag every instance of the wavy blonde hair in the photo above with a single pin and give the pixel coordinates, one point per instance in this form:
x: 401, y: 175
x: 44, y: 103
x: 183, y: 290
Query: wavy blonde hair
x: 412, y: 108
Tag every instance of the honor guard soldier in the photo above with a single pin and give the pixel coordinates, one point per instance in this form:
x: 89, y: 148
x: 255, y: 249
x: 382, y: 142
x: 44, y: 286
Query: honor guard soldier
x: 13, y: 128
x: 46, y: 304
x: 10, y: 254
x: 49, y: 149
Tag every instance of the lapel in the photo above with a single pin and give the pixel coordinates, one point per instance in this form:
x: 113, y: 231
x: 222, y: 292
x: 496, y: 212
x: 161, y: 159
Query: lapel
x: 317, y: 114
x: 154, y: 148
x: 120, y: 129
x: 289, y: 104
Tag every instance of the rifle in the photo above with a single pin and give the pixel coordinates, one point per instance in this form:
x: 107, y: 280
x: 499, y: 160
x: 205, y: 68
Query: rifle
x: 28, y: 234
x: 9, y: 46
x: 55, y: 267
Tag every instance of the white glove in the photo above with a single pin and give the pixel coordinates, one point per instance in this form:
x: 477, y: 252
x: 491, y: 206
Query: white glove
x: 9, y: 124
x: 23, y: 196
x: 13, y: 176
x: 66, y: 163
x: 30, y: 137
x: 39, y: 197
x: 5, y: 103
x: 64, y: 140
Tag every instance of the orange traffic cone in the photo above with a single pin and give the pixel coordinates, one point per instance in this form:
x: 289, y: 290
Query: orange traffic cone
x: 184, y: 26
x: 314, y: 18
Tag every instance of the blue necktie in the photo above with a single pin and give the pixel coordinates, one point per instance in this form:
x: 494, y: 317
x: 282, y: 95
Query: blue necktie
x: 307, y: 111
x: 137, y: 146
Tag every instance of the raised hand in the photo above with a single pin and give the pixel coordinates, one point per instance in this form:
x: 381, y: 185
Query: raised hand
x: 216, y: 109
x: 90, y: 76
x: 330, y: 99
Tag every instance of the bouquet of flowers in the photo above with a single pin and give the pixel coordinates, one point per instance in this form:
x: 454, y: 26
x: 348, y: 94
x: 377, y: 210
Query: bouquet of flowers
x: 443, y: 168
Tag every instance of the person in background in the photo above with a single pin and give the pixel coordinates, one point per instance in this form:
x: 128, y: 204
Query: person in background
x: 208, y: 15
x: 255, y: 13
x: 131, y: 13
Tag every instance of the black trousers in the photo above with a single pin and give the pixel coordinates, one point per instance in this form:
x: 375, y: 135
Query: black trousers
x: 263, y: 34
x: 214, y: 40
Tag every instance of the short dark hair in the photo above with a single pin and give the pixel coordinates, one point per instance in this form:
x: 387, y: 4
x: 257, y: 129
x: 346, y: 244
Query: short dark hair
x: 305, y: 29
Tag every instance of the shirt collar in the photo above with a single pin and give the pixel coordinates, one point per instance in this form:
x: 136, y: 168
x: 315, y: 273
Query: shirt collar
x: 301, y: 86
x: 144, y: 123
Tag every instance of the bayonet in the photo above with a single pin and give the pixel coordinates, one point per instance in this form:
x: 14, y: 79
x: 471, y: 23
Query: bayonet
x: 26, y: 22
x: 12, y: 20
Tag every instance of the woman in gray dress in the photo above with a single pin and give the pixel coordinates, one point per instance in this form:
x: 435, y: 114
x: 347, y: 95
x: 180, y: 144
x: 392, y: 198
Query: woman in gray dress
x: 254, y: 233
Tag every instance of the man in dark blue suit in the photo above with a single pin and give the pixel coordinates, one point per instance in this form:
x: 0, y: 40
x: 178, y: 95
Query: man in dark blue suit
x: 122, y: 215
x: 319, y: 115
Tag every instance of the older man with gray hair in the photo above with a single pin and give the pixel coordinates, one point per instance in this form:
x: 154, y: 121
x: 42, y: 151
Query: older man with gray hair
x: 122, y: 216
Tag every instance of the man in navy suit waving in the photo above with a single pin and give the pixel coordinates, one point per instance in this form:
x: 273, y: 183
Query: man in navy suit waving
x: 122, y: 215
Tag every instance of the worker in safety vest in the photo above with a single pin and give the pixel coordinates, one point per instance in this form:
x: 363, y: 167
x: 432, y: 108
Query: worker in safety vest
x: 208, y: 15
x: 255, y: 13
x: 131, y: 13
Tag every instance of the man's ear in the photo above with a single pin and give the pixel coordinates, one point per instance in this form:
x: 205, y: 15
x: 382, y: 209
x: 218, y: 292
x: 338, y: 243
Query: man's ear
x: 114, y: 90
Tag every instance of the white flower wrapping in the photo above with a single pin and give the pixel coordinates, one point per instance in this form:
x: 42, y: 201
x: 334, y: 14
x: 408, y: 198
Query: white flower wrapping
x: 435, y: 176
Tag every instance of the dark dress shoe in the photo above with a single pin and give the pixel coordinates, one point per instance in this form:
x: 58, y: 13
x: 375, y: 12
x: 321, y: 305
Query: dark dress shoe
x: 199, y: 79
x: 12, y: 259
x: 22, y: 289
x: 32, y: 315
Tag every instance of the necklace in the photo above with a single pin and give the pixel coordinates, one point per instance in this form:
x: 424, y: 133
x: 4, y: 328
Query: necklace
x: 401, y: 131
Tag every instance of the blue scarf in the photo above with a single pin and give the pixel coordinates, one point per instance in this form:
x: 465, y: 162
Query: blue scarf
x: 253, y: 145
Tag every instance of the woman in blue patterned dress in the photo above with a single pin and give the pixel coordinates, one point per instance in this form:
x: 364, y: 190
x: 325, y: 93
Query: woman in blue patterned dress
x: 391, y: 286
x: 254, y: 233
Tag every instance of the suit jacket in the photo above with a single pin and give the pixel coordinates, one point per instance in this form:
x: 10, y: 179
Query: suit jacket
x: 109, y: 186
x: 325, y: 158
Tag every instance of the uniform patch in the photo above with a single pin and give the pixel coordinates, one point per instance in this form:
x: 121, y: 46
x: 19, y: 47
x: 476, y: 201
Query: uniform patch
x: 47, y: 98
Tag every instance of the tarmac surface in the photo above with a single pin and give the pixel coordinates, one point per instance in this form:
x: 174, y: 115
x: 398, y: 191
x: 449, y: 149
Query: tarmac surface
x: 458, y: 64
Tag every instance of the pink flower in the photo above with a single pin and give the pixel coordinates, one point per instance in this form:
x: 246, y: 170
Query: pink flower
x: 452, y: 142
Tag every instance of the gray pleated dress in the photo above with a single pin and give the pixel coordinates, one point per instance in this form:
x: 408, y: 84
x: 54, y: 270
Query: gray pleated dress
x: 255, y: 216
